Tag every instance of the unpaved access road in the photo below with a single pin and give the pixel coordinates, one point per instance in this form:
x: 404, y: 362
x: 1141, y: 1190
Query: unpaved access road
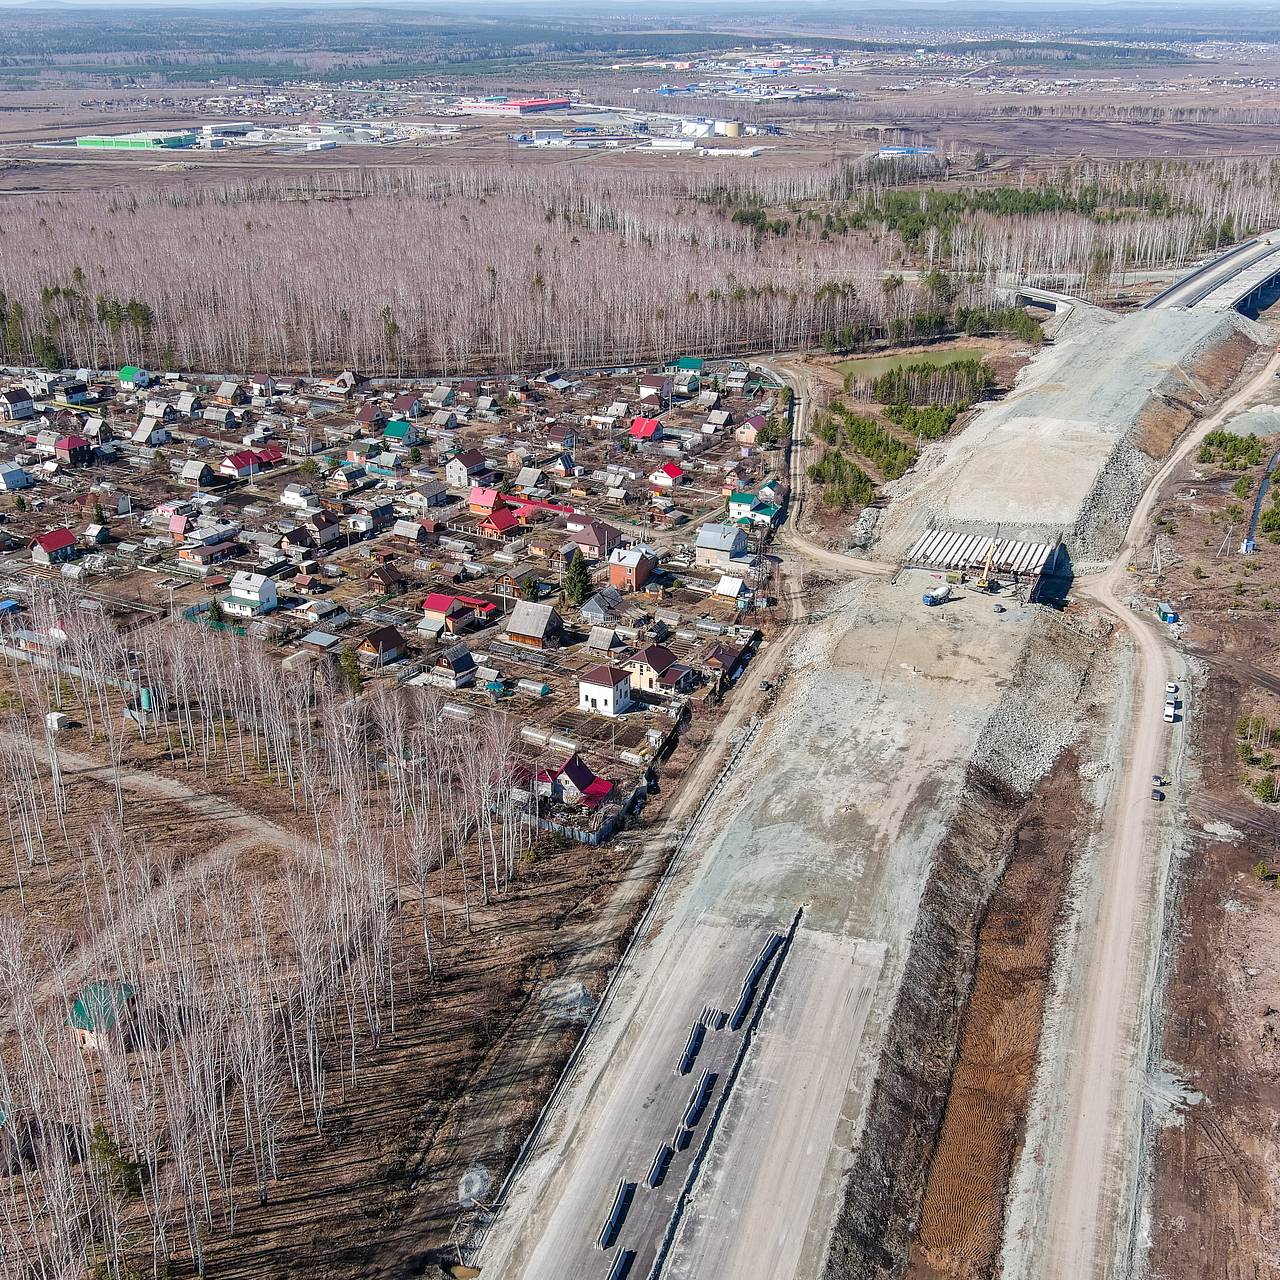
x: 1090, y: 1184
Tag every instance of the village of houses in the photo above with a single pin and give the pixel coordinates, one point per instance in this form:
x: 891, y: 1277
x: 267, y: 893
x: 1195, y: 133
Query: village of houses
x: 585, y: 553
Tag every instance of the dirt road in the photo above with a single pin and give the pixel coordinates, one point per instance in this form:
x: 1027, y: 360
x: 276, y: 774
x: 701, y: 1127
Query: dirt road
x: 804, y: 385
x: 1092, y: 1184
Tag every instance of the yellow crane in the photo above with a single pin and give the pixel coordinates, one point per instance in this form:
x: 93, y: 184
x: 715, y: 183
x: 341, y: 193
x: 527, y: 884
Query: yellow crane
x: 984, y: 578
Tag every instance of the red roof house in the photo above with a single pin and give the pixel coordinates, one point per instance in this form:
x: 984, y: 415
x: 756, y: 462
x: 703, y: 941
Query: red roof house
x: 500, y: 522
x: 645, y: 429
x: 57, y: 544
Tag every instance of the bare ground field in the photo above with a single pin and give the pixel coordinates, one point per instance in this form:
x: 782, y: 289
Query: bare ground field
x: 1215, y: 1185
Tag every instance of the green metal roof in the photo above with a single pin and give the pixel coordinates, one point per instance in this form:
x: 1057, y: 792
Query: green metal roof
x: 129, y: 373
x: 100, y: 1004
x: 690, y: 362
x: 398, y: 429
x: 741, y: 495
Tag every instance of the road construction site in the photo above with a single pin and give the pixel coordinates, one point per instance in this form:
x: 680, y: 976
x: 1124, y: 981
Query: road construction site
x: 765, y: 1089
x: 1062, y: 456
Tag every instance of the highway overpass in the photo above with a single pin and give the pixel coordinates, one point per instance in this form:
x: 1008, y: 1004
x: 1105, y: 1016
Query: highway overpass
x: 1228, y: 281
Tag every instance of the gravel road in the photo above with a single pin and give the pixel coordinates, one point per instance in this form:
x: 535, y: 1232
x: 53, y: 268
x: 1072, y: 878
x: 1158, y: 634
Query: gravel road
x: 1091, y: 1181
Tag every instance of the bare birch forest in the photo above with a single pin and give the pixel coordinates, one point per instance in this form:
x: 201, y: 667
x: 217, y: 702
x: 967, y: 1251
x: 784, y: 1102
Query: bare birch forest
x: 409, y: 271
x: 255, y: 999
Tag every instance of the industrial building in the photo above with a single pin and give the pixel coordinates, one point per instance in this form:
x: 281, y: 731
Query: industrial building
x: 511, y: 106
x: 150, y: 140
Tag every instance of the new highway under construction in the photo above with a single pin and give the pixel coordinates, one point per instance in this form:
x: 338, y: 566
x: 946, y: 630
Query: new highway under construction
x: 750, y: 1100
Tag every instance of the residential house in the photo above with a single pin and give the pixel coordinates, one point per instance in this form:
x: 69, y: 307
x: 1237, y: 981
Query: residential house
x: 594, y: 538
x: 733, y: 588
x: 562, y: 436
x: 241, y: 465
x: 631, y: 567
x: 262, y: 384
x: 385, y: 463
x: 46, y: 441
x: 537, y: 626
x: 440, y: 396
x: 250, y: 595
x: 411, y: 531
x: 749, y: 429
x: 667, y: 476
x: 97, y: 430
x: 150, y: 433
x: 444, y: 420
x: 383, y: 645
x: 231, y: 393
x: 747, y: 508
x: 189, y: 404
x: 197, y: 472
x: 297, y: 497
x: 482, y: 500
x: 454, y: 668
x: 13, y: 477
x: 721, y: 546
x: 100, y: 1014
x: 53, y: 547
x: 523, y: 580
x: 530, y: 480
x: 324, y: 527
x: 67, y: 389
x: 161, y: 410
x: 603, y: 607
x: 645, y: 429
x: 424, y: 497
x: 218, y: 416
x: 724, y: 660
x: 501, y: 522
x: 16, y: 404
x: 575, y: 784
x: 400, y: 433
x: 133, y: 377
x: 605, y: 689
x: 326, y: 612
x: 461, y: 468
x: 387, y: 579
x: 349, y: 477
x: 656, y: 387
x: 441, y: 612
x: 603, y: 640
x: 655, y: 670
x: 407, y: 405
x: 202, y: 556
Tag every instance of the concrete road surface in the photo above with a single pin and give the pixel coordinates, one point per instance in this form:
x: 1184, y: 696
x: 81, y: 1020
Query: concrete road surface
x: 1219, y: 285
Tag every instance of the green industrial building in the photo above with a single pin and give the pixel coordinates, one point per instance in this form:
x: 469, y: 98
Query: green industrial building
x: 149, y: 141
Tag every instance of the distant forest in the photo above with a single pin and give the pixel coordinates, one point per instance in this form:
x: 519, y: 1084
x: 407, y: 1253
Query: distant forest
x: 450, y: 270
